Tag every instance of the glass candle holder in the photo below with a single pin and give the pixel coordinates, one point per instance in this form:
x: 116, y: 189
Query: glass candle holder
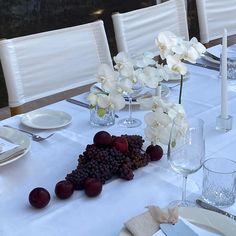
x: 102, y: 116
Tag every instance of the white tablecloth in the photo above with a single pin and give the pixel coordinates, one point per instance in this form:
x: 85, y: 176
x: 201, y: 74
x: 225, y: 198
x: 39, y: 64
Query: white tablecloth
x: 49, y: 161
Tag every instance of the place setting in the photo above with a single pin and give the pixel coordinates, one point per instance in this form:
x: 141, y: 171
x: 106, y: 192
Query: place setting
x: 186, y: 155
x: 15, y: 142
x: 13, y: 145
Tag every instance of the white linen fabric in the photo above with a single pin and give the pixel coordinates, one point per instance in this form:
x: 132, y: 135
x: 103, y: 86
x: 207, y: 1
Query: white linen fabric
x: 49, y: 161
x: 214, y: 16
x: 136, y: 31
x: 47, y: 63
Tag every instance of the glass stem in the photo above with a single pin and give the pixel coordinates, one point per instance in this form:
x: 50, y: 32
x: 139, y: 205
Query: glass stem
x: 130, y: 108
x: 184, y: 188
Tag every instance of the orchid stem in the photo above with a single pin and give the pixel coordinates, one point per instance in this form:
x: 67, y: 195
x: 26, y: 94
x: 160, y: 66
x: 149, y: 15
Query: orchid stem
x: 180, y: 89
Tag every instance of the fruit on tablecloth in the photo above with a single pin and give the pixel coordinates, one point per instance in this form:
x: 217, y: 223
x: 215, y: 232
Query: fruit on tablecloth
x: 121, y: 144
x: 39, y: 197
x: 102, y: 139
x: 92, y: 187
x: 64, y: 189
x: 155, y: 152
x: 103, y: 163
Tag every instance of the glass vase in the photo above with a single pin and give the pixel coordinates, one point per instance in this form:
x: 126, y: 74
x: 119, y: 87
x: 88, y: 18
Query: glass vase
x: 102, y: 116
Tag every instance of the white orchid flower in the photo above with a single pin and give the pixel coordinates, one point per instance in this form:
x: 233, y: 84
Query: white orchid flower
x: 92, y: 99
x: 140, y: 77
x: 125, y: 85
x: 175, y: 64
x: 122, y: 58
x: 117, y: 101
x: 126, y: 70
x: 151, y: 134
x: 157, y: 118
x: 158, y: 126
x: 144, y: 60
x: 153, y: 77
x: 124, y: 64
x: 164, y: 72
x: 105, y: 72
x: 161, y: 138
x: 149, y: 103
x: 165, y: 42
x: 190, y: 55
x: 103, y: 100
x: 109, y: 85
x: 200, y: 48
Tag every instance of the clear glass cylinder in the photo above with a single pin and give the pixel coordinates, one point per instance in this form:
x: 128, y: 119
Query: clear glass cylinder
x: 102, y: 116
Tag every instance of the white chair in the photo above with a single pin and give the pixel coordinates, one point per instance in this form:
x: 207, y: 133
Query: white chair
x: 136, y: 31
x: 214, y: 16
x: 40, y: 65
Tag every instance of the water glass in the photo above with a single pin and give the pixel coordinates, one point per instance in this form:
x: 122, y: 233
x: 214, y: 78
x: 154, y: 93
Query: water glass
x: 219, y: 179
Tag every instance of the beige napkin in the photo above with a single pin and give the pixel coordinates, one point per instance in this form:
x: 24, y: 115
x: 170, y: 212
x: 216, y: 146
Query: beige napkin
x: 148, y: 223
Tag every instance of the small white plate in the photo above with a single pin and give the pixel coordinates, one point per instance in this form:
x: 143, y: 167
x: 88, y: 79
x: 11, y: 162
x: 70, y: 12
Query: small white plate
x: 46, y: 119
x: 208, y: 220
x: 16, y: 137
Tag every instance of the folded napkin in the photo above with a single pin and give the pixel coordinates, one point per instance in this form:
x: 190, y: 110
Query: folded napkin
x: 6, y: 145
x: 9, y: 150
x: 148, y: 223
x: 11, y: 154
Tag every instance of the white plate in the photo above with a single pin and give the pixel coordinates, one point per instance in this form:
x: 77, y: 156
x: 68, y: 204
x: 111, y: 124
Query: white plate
x: 209, y: 220
x: 46, y: 119
x: 16, y: 137
x: 165, y: 91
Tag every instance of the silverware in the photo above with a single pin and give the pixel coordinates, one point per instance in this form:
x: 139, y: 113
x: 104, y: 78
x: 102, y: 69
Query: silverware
x: 179, y: 228
x: 35, y: 137
x: 213, y: 208
x: 217, y: 68
x: 82, y: 104
x: 208, y: 54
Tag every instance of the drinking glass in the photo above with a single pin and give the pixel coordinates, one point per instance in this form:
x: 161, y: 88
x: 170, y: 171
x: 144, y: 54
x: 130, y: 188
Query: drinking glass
x: 219, y: 176
x: 131, y: 122
x: 186, y: 151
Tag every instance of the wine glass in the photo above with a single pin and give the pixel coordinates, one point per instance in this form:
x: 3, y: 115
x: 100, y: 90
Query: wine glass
x: 186, y: 151
x: 131, y: 122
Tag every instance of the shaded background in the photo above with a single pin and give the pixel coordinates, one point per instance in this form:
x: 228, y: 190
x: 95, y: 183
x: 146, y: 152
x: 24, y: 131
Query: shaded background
x: 23, y: 17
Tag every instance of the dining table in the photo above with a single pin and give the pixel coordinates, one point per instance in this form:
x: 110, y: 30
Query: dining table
x: 49, y: 161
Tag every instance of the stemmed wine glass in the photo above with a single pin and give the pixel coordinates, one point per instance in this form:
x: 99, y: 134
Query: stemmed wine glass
x: 131, y: 122
x: 186, y: 151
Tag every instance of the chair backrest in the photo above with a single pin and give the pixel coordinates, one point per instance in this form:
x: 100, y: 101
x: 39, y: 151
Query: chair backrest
x: 214, y: 16
x: 43, y: 64
x: 136, y: 31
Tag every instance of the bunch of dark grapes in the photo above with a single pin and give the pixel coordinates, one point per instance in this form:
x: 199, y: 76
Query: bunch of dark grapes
x: 99, y: 163
x: 104, y: 162
x: 138, y: 159
x: 134, y: 141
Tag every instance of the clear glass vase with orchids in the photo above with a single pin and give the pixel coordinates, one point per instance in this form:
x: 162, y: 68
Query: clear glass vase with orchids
x: 105, y: 99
